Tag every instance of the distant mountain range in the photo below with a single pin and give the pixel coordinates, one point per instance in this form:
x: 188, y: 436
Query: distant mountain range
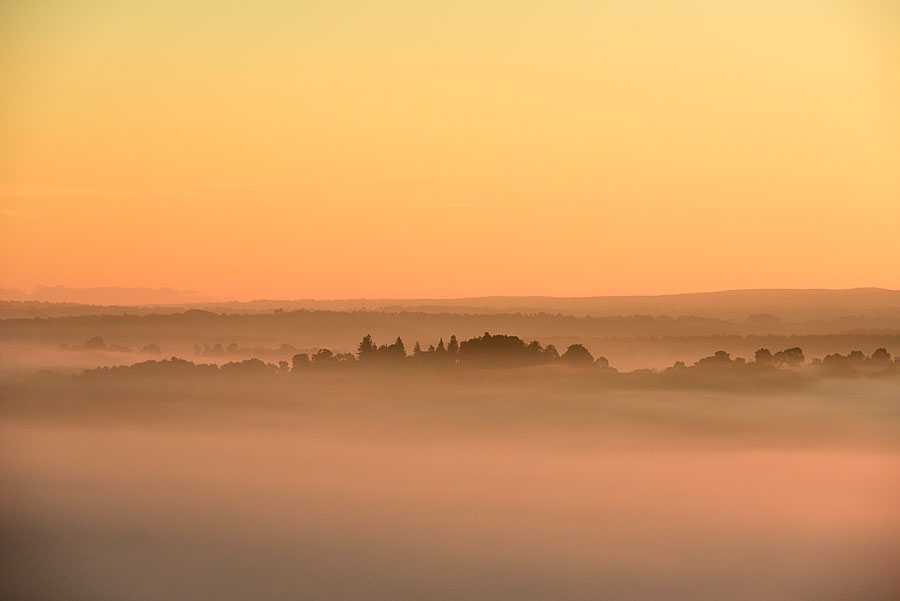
x: 114, y: 295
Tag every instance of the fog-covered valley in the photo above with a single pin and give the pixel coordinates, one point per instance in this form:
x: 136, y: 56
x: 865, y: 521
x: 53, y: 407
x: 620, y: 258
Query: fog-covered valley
x: 503, y: 484
x: 201, y: 455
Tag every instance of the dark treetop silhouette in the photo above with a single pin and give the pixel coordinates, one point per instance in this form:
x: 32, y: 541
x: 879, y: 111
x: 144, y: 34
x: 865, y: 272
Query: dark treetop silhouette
x: 505, y: 352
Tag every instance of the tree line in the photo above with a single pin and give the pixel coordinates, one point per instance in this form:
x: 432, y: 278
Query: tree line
x: 504, y: 351
x: 498, y: 350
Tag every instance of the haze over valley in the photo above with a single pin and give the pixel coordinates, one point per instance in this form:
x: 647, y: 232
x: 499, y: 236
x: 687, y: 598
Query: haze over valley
x: 357, y: 300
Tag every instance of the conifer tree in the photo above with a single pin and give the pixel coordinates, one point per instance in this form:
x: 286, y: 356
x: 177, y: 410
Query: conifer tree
x: 366, y: 349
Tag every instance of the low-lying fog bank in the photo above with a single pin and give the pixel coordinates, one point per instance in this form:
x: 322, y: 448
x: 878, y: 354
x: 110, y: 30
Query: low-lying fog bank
x: 487, y: 484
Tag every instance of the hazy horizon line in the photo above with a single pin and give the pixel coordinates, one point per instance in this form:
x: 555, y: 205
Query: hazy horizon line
x: 214, y: 298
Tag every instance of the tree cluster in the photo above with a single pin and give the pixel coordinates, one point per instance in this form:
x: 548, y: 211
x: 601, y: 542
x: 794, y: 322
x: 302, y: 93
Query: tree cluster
x: 788, y: 358
x: 856, y: 362
x: 504, y: 351
x: 852, y: 364
x: 497, y: 350
x: 96, y: 343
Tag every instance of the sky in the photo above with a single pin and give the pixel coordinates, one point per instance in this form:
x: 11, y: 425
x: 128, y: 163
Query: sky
x: 400, y: 148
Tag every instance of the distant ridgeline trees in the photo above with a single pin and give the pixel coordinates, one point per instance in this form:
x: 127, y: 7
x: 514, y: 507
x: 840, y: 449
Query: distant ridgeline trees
x: 502, y: 351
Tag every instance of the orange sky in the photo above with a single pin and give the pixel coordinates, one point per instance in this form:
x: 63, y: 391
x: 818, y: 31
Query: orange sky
x: 395, y: 148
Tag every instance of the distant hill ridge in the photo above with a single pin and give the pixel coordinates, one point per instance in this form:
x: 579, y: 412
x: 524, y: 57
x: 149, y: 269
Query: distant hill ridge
x: 789, y: 304
x: 110, y: 295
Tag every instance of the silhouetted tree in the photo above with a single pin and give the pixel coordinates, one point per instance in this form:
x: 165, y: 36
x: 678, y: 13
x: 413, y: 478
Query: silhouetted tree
x: 323, y: 357
x: 763, y: 356
x: 856, y: 357
x: 397, y: 351
x: 838, y: 366
x: 248, y: 367
x: 792, y: 357
x: 720, y: 358
x: 299, y: 361
x: 577, y: 355
x: 501, y: 351
x: 453, y: 347
x: 881, y: 358
x: 366, y: 349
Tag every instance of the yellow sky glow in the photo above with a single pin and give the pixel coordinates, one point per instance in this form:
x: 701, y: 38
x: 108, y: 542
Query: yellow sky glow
x: 395, y: 148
